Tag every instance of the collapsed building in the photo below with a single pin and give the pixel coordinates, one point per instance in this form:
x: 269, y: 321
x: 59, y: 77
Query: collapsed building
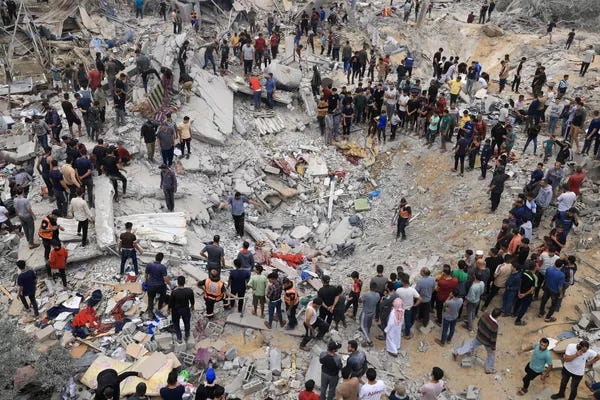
x: 323, y: 209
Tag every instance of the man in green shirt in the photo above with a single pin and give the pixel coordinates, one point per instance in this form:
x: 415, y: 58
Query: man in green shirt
x: 258, y: 284
x: 541, y: 363
x: 446, y: 129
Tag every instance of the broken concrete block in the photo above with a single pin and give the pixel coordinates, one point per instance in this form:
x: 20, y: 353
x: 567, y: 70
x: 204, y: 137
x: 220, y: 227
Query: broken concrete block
x: 164, y: 341
x: 45, y: 333
x: 594, y: 284
x: 104, y: 218
x: 66, y: 338
x: 252, y: 387
x: 180, y: 347
x: 286, y: 78
x: 595, y: 317
x: 271, y: 170
x: 230, y: 354
x: 341, y: 233
x: 472, y: 393
x: 466, y: 362
x: 300, y: 232
x: 129, y: 328
x: 314, y: 371
x: 584, y: 321
x: 557, y: 364
x: 275, y: 361
x: 227, y: 365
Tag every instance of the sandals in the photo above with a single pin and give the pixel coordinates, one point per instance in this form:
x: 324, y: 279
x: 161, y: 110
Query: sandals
x: 551, y: 319
x: 521, y: 392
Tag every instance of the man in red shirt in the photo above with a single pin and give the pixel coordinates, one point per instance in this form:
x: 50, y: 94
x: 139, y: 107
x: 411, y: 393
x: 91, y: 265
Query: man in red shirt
x: 576, y: 180
x: 94, y: 77
x: 123, y: 153
x: 259, y: 47
x: 274, y: 41
x: 308, y: 392
x: 58, y: 261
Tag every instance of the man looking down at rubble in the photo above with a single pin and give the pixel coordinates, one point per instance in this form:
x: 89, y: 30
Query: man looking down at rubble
x: 109, y: 382
x: 237, y: 203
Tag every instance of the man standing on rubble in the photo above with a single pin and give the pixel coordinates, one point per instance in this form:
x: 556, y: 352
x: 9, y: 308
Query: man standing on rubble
x: 157, y: 280
x: 40, y: 131
x: 404, y: 215
x: 127, y: 247
x: 237, y: 203
x: 166, y: 140
x: 149, y: 135
x: 168, y: 184
x: 181, y: 304
x: 214, y: 255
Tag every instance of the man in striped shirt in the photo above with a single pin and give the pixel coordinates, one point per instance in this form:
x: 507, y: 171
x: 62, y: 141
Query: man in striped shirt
x: 487, y: 332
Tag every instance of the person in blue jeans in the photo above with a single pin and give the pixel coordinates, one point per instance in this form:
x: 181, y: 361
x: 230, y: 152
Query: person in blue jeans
x: 513, y: 283
x: 452, y: 306
x: 274, y: 291
x: 127, y: 247
x: 270, y: 88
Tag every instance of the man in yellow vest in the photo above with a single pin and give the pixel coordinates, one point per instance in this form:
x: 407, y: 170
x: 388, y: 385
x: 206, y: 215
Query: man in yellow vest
x: 49, y: 231
x: 404, y: 214
x: 214, y: 291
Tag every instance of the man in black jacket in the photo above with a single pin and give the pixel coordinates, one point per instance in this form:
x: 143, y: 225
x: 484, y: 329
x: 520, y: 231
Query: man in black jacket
x: 108, y: 384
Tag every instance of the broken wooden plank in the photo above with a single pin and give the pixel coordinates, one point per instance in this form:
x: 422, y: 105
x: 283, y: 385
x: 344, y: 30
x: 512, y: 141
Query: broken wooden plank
x: 6, y: 292
x: 90, y: 344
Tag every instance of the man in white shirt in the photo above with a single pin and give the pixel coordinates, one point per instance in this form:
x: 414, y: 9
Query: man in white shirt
x: 408, y: 295
x: 248, y: 57
x: 81, y: 213
x: 588, y: 58
x: 373, y: 389
x: 576, y: 358
x: 566, y: 200
x: 402, y: 102
x: 390, y: 100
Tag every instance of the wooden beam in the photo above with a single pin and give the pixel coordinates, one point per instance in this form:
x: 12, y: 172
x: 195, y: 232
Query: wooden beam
x: 6, y: 292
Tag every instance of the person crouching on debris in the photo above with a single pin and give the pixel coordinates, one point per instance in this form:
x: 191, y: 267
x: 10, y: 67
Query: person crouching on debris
x: 85, y: 322
x: 108, y: 384
x: 312, y: 321
x: 58, y: 261
x: 214, y: 291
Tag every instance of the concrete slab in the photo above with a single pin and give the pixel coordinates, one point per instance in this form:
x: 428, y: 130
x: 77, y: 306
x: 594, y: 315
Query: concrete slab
x: 562, y: 345
x: 281, y: 187
x: 300, y: 232
x: 152, y: 364
x: 159, y: 227
x: 104, y: 222
x: 195, y: 271
x: 341, y: 233
x: 314, y: 371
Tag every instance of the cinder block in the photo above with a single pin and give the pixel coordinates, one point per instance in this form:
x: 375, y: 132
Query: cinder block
x: 151, y: 346
x: 252, y: 387
x: 126, y: 340
x: 466, y: 362
x: 164, y: 341
x: 45, y: 333
x: 180, y: 347
x: 584, y: 321
x: 595, y: 317
x: 186, y: 358
x: 472, y: 393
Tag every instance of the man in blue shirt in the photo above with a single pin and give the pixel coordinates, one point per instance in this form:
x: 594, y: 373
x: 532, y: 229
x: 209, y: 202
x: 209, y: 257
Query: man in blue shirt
x: 156, y: 279
x: 27, y: 283
x: 270, y: 88
x: 139, y: 8
x: 84, y: 168
x: 237, y: 284
x: 553, y: 289
x: 408, y: 63
x: 237, y: 204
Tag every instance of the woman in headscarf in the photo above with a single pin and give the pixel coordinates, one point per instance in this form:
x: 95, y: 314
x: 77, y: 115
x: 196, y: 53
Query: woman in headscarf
x: 393, y: 330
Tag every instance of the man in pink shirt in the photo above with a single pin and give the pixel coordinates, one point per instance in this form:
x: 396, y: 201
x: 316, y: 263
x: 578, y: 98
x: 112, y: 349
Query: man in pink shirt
x: 94, y: 77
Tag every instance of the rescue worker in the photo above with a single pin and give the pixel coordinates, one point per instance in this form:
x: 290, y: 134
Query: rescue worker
x: 291, y: 298
x: 214, y: 291
x: 49, y: 231
x: 404, y: 214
